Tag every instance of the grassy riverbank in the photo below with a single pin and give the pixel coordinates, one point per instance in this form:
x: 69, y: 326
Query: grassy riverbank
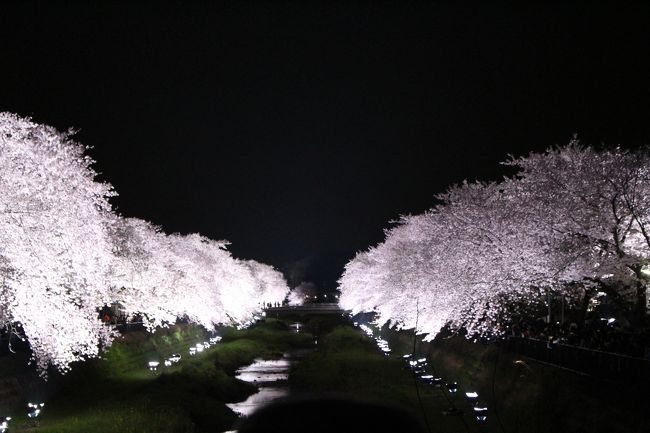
x: 535, y: 397
x: 531, y: 396
x: 349, y: 364
x: 118, y: 393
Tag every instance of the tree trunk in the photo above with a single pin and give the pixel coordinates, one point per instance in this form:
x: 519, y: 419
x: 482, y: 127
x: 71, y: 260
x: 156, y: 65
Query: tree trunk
x: 639, y: 308
x: 584, y: 303
x: 640, y: 305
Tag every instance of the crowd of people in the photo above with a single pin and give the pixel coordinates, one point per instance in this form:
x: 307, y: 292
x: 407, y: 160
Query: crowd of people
x: 603, y: 334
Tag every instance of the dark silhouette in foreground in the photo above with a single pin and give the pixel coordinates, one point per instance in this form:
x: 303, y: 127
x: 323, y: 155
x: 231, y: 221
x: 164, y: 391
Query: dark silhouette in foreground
x: 329, y: 414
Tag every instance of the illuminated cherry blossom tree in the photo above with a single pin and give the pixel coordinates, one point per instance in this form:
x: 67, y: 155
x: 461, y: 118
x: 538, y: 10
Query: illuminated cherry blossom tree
x: 143, y: 274
x: 599, y: 203
x: 53, y: 244
x: 488, y: 251
x: 64, y: 255
x: 272, y: 286
x: 162, y: 277
x: 303, y: 293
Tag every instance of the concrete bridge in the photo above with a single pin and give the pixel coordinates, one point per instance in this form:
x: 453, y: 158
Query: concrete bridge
x: 325, y: 308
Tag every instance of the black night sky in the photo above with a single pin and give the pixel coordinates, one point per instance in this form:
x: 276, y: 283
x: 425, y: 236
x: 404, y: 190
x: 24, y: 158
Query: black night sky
x: 298, y: 130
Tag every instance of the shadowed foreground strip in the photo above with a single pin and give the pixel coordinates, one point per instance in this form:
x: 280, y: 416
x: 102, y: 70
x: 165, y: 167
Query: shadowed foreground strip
x: 330, y: 414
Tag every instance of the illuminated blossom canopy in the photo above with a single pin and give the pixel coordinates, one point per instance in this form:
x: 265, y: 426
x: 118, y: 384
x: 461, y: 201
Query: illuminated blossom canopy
x: 272, y: 287
x: 64, y: 255
x: 161, y: 277
x: 53, y: 245
x: 573, y: 221
x: 303, y: 293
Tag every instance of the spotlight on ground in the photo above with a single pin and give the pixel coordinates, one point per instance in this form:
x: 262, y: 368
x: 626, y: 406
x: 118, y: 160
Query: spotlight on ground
x: 472, y: 397
x: 481, y: 413
x: 34, y: 409
x: 4, y: 425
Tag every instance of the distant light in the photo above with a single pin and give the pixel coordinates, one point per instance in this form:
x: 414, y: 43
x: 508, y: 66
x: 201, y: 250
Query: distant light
x: 168, y: 363
x: 452, y: 387
x: 611, y: 320
x: 192, y: 350
x: 422, y: 360
x: 153, y: 365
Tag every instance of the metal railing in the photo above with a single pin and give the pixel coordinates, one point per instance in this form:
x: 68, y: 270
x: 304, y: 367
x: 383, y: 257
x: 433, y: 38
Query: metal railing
x: 316, y: 306
x: 588, y: 361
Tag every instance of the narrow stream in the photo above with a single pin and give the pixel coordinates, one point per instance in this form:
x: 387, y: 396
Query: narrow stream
x: 270, y: 376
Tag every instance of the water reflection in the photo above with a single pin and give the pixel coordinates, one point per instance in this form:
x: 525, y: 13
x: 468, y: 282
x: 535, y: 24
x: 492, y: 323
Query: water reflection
x: 271, y: 378
x: 263, y: 397
x: 265, y: 371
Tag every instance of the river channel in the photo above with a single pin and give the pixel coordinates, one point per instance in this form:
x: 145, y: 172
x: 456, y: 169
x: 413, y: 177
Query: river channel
x: 270, y: 376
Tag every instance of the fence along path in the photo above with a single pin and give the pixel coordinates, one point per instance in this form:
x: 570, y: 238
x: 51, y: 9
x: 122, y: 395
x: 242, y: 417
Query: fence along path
x: 582, y: 359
